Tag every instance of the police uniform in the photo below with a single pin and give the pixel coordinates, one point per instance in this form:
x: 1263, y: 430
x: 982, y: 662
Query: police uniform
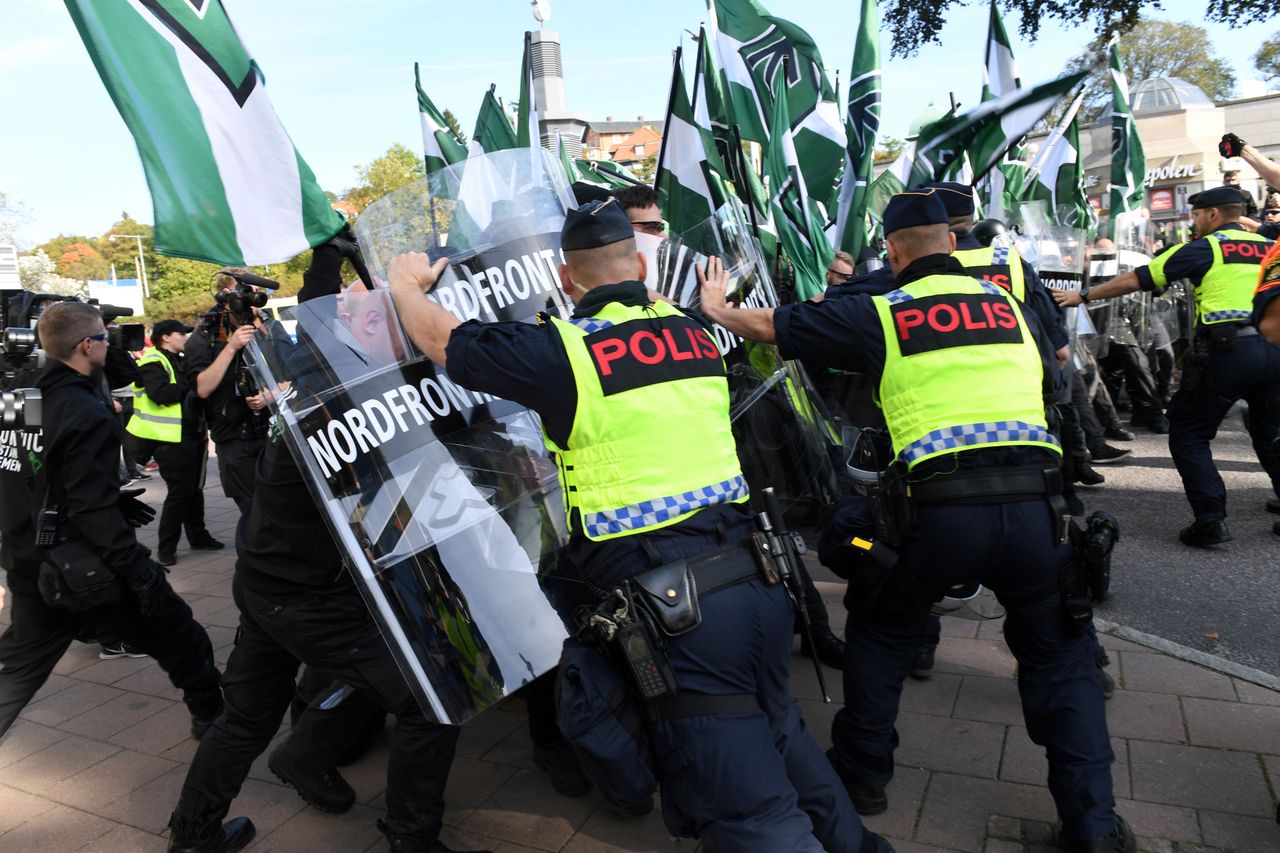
x: 961, y: 372
x: 167, y: 425
x: 1230, y: 361
x: 634, y: 401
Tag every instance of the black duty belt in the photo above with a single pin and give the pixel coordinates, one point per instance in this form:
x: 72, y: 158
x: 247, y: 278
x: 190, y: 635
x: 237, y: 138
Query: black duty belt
x: 988, y: 485
x: 723, y: 567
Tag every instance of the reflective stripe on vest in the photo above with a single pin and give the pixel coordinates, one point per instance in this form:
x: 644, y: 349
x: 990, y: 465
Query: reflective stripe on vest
x: 152, y: 420
x: 1225, y: 293
x: 961, y: 369
x: 1000, y: 265
x: 635, y: 369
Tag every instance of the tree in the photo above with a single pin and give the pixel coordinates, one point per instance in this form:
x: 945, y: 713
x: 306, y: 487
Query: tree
x: 1267, y: 59
x: 391, y: 171
x: 888, y: 149
x: 917, y: 22
x: 1154, y: 49
x: 38, y: 274
x: 13, y: 215
x: 83, y: 262
x: 452, y: 121
x: 645, y: 167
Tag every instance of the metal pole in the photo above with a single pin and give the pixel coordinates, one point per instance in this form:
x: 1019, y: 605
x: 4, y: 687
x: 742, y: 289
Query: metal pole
x: 142, y: 265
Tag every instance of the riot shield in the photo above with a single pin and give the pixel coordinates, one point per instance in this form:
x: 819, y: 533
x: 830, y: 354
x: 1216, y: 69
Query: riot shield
x: 444, y: 500
x: 786, y: 438
x: 1060, y: 251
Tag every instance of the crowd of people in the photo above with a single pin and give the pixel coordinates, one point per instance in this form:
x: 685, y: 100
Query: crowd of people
x: 972, y: 411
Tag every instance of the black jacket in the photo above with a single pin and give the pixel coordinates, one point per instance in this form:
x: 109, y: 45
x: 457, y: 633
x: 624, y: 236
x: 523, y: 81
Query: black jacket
x: 20, y: 454
x: 81, y: 469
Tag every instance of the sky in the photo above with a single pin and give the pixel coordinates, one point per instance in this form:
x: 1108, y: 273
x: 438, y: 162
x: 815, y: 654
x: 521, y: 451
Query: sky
x: 340, y: 75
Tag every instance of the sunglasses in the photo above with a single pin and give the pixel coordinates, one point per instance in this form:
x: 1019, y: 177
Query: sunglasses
x: 101, y: 337
x: 651, y: 227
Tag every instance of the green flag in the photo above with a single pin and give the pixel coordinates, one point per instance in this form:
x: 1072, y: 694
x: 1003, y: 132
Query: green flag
x: 891, y: 181
x: 688, y: 176
x: 527, y: 134
x: 1003, y: 184
x: 762, y: 56
x: 799, y: 223
x: 607, y: 173
x: 862, y: 128
x: 493, y: 130
x: 712, y: 112
x: 1056, y: 176
x: 566, y: 160
x: 985, y: 132
x: 227, y: 184
x: 1128, y: 163
x: 441, y: 148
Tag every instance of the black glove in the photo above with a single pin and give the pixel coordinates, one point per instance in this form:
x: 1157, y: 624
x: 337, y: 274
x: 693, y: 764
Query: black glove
x: 345, y: 242
x: 1231, y: 145
x: 150, y: 589
x: 135, y: 512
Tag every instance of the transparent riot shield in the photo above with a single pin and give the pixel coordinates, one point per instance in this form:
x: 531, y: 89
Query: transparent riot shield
x: 1131, y: 321
x: 786, y: 438
x: 444, y: 500
x: 1060, y: 264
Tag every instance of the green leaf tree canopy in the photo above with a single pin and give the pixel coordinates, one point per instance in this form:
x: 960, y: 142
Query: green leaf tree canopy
x: 1267, y: 59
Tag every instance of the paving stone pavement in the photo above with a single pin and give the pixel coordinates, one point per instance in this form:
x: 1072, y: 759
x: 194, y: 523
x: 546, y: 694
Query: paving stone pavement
x: 96, y: 761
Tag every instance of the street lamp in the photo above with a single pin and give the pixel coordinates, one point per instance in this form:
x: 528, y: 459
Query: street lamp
x: 142, y: 264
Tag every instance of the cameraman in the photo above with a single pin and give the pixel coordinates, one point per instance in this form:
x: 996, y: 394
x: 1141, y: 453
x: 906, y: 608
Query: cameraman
x: 235, y: 409
x: 166, y: 424
x: 73, y: 462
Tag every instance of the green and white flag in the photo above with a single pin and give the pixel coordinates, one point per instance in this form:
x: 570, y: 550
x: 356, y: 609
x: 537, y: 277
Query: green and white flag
x: 1128, y: 163
x: 571, y: 169
x: 1003, y: 184
x: 441, y: 148
x: 891, y: 181
x: 1056, y: 176
x: 607, y: 173
x: 763, y: 56
x: 688, y: 176
x: 799, y: 223
x: 985, y: 132
x: 227, y: 184
x: 862, y: 128
x: 711, y: 112
x: 493, y: 130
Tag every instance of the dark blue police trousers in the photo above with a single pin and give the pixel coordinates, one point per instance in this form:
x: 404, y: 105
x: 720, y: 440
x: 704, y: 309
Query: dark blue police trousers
x: 1250, y: 372
x: 1010, y: 549
x: 749, y: 783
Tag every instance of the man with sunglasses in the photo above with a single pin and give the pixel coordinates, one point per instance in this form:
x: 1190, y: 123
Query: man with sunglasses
x: 640, y: 204
x: 74, y: 461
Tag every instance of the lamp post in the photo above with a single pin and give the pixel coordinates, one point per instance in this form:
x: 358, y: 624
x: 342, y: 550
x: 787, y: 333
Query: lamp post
x: 142, y: 264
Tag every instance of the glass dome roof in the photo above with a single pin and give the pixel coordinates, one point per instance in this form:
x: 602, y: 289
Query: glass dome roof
x: 1166, y: 93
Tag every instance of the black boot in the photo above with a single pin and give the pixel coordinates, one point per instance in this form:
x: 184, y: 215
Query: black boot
x: 415, y: 844
x: 867, y: 799
x: 233, y: 835
x: 922, y: 666
x: 323, y: 788
x: 1202, y: 534
x: 828, y: 648
x: 566, y: 772
x: 1122, y: 841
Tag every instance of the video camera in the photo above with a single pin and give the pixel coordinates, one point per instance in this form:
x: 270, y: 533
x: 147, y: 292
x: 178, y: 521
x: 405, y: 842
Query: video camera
x: 237, y: 304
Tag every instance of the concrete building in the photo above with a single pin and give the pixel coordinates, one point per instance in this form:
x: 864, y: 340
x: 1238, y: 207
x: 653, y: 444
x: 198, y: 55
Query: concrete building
x: 554, y: 117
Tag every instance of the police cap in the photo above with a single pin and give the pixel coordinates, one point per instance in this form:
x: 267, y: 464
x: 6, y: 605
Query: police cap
x: 914, y: 208
x: 595, y: 224
x: 957, y: 197
x: 168, y: 327
x: 1215, y: 197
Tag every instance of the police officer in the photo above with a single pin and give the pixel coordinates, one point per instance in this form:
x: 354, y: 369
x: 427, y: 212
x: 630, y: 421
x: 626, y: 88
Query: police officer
x: 751, y: 780
x: 74, y: 461
x: 1229, y: 359
x: 166, y: 424
x: 961, y: 371
x: 237, y: 419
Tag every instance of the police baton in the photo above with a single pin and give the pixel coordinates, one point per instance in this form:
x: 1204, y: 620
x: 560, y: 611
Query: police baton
x: 782, y: 549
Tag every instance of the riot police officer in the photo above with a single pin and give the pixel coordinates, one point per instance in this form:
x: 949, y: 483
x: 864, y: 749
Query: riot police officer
x: 737, y: 767
x: 961, y: 373
x: 1229, y: 360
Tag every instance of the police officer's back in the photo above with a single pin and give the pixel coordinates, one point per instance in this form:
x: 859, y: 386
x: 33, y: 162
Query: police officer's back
x: 610, y: 383
x: 973, y: 494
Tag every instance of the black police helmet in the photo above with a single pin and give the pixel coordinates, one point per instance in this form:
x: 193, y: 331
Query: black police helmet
x: 987, y: 230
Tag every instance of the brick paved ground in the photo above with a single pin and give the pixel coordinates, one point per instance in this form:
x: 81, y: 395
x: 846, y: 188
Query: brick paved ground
x: 96, y: 761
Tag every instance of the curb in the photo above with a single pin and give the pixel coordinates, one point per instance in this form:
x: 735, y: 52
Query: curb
x: 1181, y: 652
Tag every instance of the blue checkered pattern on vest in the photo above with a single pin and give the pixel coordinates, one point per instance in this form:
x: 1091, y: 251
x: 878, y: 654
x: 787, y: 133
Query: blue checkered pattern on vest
x: 590, y: 325
x: 896, y: 296
x: 970, y: 435
x: 1215, y: 316
x: 990, y: 288
x: 649, y: 513
x: 1000, y: 257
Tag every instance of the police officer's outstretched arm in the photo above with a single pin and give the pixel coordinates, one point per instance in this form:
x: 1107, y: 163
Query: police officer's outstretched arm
x: 755, y: 324
x: 427, y: 323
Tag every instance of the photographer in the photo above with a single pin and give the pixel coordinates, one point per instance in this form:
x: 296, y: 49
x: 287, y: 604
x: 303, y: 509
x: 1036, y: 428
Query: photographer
x: 73, y: 464
x: 236, y: 410
x: 166, y: 424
